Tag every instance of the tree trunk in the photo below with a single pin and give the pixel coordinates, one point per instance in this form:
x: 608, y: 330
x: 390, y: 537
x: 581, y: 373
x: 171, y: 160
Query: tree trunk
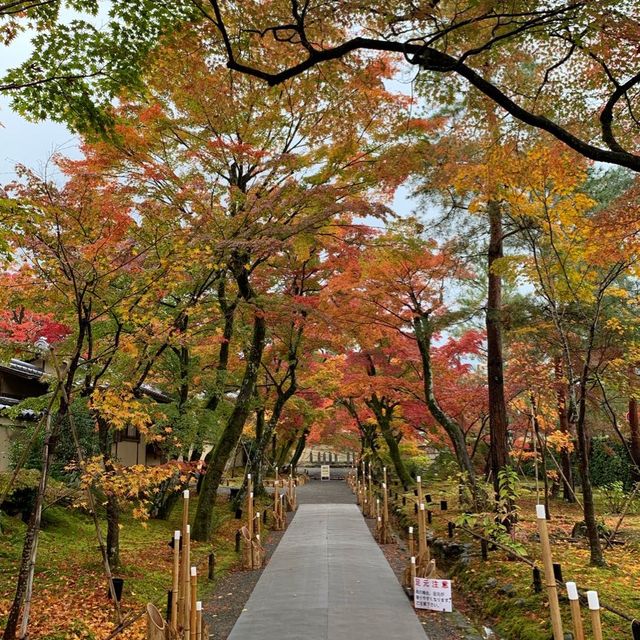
x: 568, y: 486
x: 384, y: 417
x: 113, y: 531
x: 203, y: 521
x: 424, y: 331
x: 498, y: 423
x: 635, y: 437
x: 228, y: 311
x: 285, y: 448
x: 29, y: 550
x: 262, y: 440
x: 584, y: 447
x: 31, y: 537
x: 302, y: 443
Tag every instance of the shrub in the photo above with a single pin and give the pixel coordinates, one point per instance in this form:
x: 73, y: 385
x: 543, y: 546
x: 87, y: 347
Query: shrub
x: 615, y: 496
x: 609, y: 463
x: 65, y: 453
x: 22, y: 497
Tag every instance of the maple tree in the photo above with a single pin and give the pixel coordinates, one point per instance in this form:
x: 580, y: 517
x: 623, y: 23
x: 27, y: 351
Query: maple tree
x: 397, y: 290
x: 243, y: 176
x: 562, y: 68
x: 576, y: 279
x: 455, y: 44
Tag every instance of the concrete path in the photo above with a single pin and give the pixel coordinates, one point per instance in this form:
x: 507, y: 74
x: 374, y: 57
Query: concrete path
x: 328, y: 579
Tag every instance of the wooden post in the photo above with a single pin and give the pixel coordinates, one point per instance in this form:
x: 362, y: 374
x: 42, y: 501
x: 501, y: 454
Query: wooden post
x: 175, y: 587
x: 199, y: 620
x: 594, y: 609
x: 258, y: 527
x: 413, y: 572
x: 550, y: 579
x: 276, y: 501
x: 184, y: 564
x: 186, y: 584
x: 419, y: 489
x: 193, y: 613
x: 357, y: 486
x: 377, y: 508
x: 410, y: 541
x: 421, y: 532
x: 371, y: 511
x: 250, y: 519
x: 576, y: 617
x: 385, y: 503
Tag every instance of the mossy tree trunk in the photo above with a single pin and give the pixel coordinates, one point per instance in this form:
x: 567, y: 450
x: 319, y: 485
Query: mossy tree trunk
x: 203, y: 520
x: 423, y: 328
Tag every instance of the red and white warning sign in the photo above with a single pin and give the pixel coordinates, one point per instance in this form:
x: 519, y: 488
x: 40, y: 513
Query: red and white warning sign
x: 433, y: 594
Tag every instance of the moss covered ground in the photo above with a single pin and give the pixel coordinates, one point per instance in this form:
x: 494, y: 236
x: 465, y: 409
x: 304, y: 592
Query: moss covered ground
x: 500, y: 590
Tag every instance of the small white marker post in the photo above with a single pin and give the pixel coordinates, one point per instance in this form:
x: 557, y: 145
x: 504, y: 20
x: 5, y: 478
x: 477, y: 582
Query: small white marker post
x: 594, y: 609
x: 576, y: 617
x: 552, y: 590
x: 193, y: 614
x: 184, y: 567
x: 421, y: 532
x: 199, y: 620
x: 176, y: 579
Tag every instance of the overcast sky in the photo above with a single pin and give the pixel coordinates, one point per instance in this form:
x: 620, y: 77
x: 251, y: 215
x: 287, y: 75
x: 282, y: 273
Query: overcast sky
x: 23, y: 142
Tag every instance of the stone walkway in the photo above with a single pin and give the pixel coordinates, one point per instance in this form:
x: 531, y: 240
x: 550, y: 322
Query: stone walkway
x: 328, y: 579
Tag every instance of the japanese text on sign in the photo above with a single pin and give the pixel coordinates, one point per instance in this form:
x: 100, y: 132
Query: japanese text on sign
x: 325, y: 473
x: 429, y: 593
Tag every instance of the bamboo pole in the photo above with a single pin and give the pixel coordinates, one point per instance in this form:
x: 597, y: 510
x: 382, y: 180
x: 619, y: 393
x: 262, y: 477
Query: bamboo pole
x: 552, y: 589
x: 385, y: 503
x: 193, y: 613
x: 421, y: 532
x: 419, y: 487
x: 258, y: 524
x: 175, y: 587
x: 276, y: 500
x: 594, y: 609
x: 413, y: 572
x: 156, y: 626
x: 410, y: 541
x: 186, y: 583
x: 576, y: 617
x: 199, y: 620
x: 371, y: 511
x: 357, y: 486
x: 184, y: 566
x: 250, y: 518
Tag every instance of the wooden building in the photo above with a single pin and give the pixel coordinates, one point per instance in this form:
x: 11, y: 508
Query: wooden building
x: 20, y: 380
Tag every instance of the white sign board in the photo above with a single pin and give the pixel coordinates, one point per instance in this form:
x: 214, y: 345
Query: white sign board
x: 433, y: 594
x: 325, y: 472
